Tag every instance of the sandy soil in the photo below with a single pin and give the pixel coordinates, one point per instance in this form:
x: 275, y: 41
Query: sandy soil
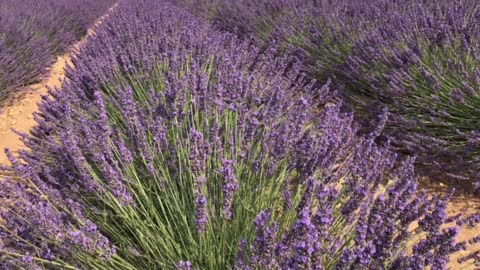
x: 19, y: 116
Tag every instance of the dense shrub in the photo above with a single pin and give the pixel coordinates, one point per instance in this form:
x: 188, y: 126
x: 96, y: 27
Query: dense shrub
x: 33, y: 32
x: 174, y: 145
x: 418, y: 59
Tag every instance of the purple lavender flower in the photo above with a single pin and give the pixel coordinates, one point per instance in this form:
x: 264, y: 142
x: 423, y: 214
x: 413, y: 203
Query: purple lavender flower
x: 230, y: 185
x: 184, y: 265
x: 264, y: 243
x: 201, y: 214
x: 198, y: 153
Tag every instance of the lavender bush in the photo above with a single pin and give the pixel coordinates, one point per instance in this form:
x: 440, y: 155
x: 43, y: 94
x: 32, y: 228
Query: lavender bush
x: 175, y: 146
x: 417, y: 59
x: 33, y: 32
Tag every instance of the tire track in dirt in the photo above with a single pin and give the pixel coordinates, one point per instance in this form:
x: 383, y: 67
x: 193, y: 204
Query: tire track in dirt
x: 19, y: 114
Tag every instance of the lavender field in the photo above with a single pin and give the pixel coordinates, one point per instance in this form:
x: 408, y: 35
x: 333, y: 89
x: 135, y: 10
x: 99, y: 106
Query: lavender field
x: 221, y: 134
x: 33, y: 32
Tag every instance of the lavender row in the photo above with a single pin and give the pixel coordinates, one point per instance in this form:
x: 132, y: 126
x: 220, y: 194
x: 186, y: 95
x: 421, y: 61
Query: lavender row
x: 417, y: 59
x: 173, y: 145
x: 33, y: 32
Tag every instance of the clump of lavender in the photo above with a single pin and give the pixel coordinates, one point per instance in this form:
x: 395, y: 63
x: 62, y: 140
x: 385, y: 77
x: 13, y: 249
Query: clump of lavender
x: 419, y: 60
x: 174, y: 145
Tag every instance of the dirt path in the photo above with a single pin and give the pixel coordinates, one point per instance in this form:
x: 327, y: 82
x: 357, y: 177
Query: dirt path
x: 20, y: 114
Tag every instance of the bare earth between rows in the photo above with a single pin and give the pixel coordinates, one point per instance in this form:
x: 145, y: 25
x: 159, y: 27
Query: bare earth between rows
x: 19, y: 116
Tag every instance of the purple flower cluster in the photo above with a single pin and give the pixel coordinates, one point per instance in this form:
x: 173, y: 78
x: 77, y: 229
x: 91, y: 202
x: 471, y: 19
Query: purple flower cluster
x: 175, y: 145
x: 230, y: 185
x: 417, y: 59
x: 371, y: 238
x: 37, y: 219
x: 33, y: 32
